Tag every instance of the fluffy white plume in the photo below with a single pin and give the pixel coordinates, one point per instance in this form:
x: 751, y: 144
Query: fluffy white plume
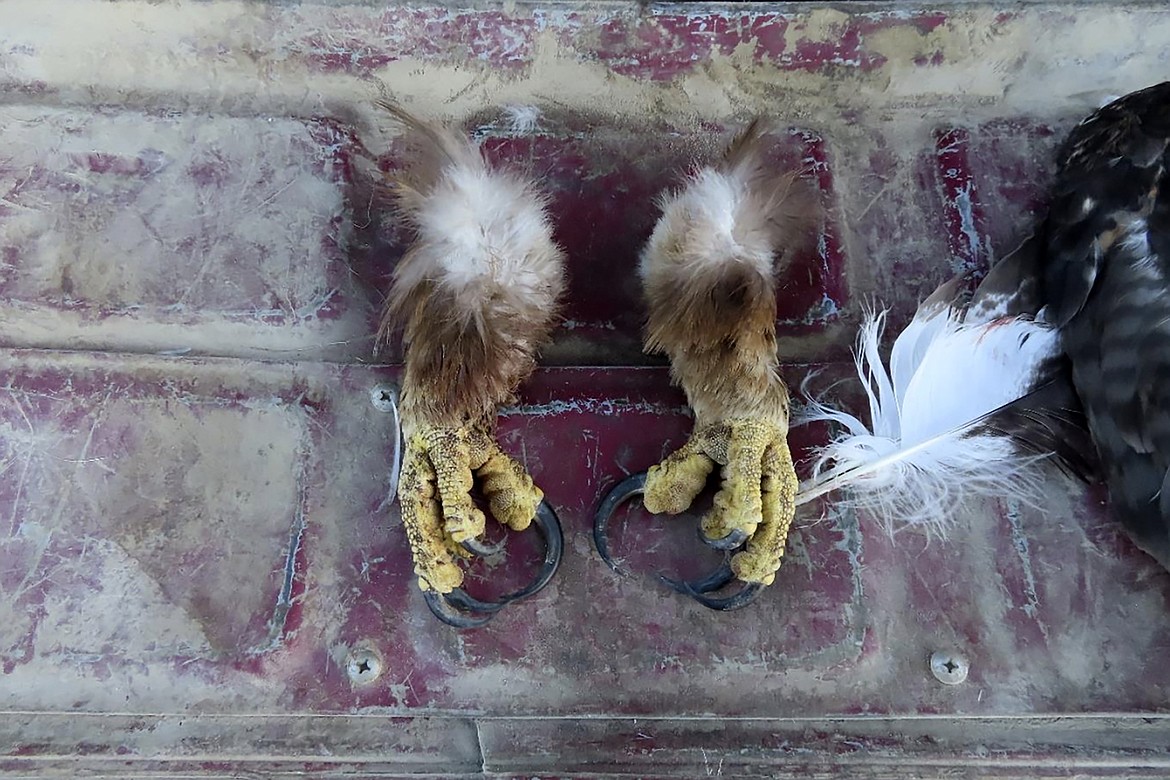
x: 522, y: 119
x: 931, y: 441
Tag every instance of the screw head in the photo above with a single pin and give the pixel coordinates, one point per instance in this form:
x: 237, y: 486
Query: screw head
x: 363, y: 666
x: 384, y: 397
x: 949, y: 667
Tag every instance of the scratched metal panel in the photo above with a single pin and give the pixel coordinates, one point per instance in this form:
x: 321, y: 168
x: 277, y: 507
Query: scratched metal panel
x: 871, y: 748
x: 678, y: 41
x: 149, y: 517
x: 81, y: 745
x: 572, y: 431
x: 222, y: 523
x: 203, y: 546
x: 219, y: 234
x: 352, y: 744
x: 242, y: 255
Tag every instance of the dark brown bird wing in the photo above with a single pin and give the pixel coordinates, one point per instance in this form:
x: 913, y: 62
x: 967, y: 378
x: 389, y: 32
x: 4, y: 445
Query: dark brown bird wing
x: 1107, y: 283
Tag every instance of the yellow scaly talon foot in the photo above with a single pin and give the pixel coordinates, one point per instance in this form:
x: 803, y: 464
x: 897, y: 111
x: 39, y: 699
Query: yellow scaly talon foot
x: 434, y: 492
x: 757, y: 498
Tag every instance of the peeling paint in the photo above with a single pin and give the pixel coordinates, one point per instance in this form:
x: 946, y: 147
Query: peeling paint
x: 1020, y: 543
x: 962, y: 210
x: 608, y: 407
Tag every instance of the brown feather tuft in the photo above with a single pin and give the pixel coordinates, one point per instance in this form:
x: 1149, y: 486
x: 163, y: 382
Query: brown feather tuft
x: 478, y: 290
x: 709, y: 274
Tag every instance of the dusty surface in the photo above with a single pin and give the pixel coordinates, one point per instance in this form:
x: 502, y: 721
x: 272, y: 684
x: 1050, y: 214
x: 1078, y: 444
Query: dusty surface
x: 194, y: 539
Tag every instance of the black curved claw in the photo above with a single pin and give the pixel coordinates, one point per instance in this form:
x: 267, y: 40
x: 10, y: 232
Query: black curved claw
x: 733, y: 539
x: 476, y: 547
x: 549, y: 525
x: 445, y: 611
x: 741, y: 598
x: 622, y: 492
x: 635, y: 485
x: 462, y: 610
x: 721, y: 577
x: 717, y: 579
x: 461, y: 599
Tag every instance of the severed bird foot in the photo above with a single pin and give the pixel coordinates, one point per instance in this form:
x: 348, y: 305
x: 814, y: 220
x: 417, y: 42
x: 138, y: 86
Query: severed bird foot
x: 754, y: 508
x: 443, y: 524
x: 756, y: 503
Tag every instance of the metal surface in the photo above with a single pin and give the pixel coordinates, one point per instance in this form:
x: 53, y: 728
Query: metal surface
x: 197, y: 552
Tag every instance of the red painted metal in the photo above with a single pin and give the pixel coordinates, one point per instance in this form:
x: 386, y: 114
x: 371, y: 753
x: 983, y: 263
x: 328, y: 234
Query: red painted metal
x: 195, y: 545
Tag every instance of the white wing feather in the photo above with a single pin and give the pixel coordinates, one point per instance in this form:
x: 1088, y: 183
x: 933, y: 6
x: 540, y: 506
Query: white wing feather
x: 925, y: 450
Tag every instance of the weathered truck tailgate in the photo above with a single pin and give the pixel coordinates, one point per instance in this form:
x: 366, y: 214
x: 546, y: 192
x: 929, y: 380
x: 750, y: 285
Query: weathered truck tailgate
x: 200, y: 571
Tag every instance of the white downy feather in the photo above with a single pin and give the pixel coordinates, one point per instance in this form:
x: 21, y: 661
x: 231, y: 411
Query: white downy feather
x: 924, y: 450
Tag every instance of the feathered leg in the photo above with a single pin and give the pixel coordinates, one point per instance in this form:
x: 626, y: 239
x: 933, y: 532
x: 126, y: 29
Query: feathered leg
x: 709, y: 276
x: 477, y: 293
